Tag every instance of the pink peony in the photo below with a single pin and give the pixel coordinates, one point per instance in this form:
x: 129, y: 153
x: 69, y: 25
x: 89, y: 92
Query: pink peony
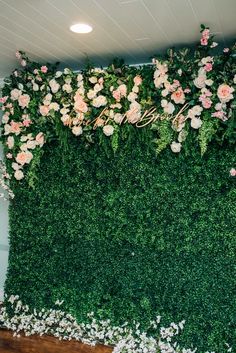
x: 24, y: 100
x: 224, y: 93
x: 232, y: 172
x: 178, y: 96
x: 44, y: 69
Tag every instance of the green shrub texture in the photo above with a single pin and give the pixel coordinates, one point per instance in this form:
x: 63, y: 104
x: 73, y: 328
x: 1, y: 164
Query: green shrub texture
x: 129, y: 236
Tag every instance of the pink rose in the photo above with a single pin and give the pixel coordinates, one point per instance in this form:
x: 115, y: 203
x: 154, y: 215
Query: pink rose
x: 208, y: 67
x: 44, y: 110
x: 123, y: 90
x: 206, y: 102
x: 3, y: 99
x: 178, y: 96
x: 24, y: 157
x: 27, y: 122
x: 116, y: 94
x: 138, y: 80
x: 232, y: 172
x: 15, y: 127
x: 204, y: 41
x: 36, y: 71
x: 24, y: 100
x: 224, y: 93
x: 44, y: 69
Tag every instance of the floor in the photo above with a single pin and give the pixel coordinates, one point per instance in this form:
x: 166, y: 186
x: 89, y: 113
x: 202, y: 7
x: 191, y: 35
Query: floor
x: 45, y: 344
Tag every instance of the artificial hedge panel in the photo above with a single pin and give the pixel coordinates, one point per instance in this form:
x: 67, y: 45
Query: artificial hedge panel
x: 129, y: 236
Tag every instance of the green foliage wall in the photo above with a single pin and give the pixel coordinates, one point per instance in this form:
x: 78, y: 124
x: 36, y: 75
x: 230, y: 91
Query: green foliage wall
x: 130, y: 236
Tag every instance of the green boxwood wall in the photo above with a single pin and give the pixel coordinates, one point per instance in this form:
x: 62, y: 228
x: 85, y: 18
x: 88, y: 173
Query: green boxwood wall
x: 130, y: 236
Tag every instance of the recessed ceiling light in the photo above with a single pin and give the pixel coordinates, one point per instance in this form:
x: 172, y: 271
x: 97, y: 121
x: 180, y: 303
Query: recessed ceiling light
x: 81, y: 28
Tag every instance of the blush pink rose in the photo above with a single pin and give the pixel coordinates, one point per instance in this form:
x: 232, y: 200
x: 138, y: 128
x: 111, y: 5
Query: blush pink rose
x: 27, y: 122
x: 224, y: 93
x: 116, y: 94
x: 24, y: 100
x: 80, y: 106
x: 44, y: 69
x: 44, y: 110
x: 208, y: 67
x: 24, y: 157
x: 15, y: 127
x: 138, y: 80
x: 232, y: 172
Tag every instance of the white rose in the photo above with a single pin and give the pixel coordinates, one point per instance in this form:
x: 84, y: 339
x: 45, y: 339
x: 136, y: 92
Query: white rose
x: 31, y: 144
x: 54, y: 86
x: 15, y: 166
x: 180, y: 72
x: 67, y: 88
x: 54, y: 106
x: 164, y: 103
x: 79, y: 78
x: 66, y: 71
x: 99, y: 101
x: 18, y: 174
x: 77, y: 130
x: 175, y: 147
x: 58, y: 74
x: 108, y: 130
x: 91, y: 94
x: 93, y: 79
x: 209, y: 82
x: 235, y: 79
x: 196, y: 123
x: 135, y: 89
x: 35, y: 87
x: 169, y: 108
x: 165, y: 92
x: 132, y: 96
x: 197, y: 109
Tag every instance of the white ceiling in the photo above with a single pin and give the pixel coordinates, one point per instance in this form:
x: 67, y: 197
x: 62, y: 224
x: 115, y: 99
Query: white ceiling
x: 131, y: 29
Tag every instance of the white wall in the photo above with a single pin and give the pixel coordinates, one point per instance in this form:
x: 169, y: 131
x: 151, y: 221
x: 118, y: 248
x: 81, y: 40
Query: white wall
x: 4, y: 247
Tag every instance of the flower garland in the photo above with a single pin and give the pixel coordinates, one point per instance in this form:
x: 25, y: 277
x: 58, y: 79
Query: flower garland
x: 64, y: 326
x: 184, y: 92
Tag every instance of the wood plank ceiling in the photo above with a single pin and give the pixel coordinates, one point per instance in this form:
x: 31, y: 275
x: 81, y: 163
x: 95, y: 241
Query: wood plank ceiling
x: 131, y: 29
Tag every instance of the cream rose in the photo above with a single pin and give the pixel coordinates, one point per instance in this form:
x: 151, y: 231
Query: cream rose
x: 77, y: 130
x: 15, y: 94
x: 196, y: 123
x: 108, y: 130
x: 224, y: 93
x: 18, y: 174
x: 175, y: 147
x: 99, y: 101
x: 24, y: 100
